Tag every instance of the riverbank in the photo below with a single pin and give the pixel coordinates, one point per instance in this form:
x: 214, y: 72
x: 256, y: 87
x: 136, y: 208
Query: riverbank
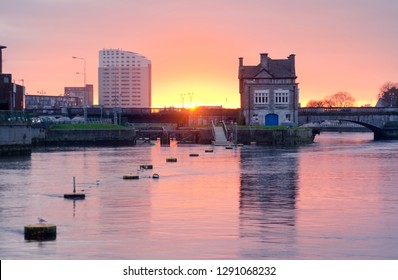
x: 18, y: 139
x: 81, y: 137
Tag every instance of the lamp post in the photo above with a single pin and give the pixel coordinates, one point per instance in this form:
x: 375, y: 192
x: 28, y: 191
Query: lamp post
x: 182, y: 98
x: 190, y: 99
x: 84, y: 89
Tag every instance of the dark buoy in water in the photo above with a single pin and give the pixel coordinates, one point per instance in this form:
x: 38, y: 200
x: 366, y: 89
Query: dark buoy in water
x: 40, y: 231
x: 155, y: 176
x: 131, y: 177
x: 193, y: 155
x: 74, y: 195
x: 171, y: 159
x: 146, y: 166
x: 208, y: 151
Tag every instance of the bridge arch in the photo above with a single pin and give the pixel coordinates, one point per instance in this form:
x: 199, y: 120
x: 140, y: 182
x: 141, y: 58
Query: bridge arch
x: 368, y: 126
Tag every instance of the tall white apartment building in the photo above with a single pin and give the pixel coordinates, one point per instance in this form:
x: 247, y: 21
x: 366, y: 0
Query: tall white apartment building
x: 124, y: 79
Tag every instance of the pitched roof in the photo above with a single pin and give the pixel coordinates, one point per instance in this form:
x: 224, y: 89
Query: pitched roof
x: 277, y: 68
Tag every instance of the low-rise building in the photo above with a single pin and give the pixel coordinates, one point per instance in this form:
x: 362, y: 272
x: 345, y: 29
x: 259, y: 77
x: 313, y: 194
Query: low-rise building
x: 269, y: 92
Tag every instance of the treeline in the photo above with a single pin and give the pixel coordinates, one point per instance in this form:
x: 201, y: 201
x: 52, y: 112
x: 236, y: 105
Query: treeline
x: 387, y: 97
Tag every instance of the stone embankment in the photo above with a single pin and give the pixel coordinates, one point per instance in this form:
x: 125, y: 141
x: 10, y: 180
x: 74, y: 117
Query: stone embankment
x: 18, y: 139
x: 259, y: 136
x: 15, y: 139
x: 275, y: 137
x: 103, y: 137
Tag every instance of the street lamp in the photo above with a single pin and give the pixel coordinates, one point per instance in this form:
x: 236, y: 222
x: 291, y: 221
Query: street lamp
x: 182, y: 97
x: 84, y: 89
x: 190, y: 99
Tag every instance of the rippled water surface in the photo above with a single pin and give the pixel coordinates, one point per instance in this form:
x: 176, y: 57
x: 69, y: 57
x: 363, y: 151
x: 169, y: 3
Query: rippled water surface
x: 334, y: 199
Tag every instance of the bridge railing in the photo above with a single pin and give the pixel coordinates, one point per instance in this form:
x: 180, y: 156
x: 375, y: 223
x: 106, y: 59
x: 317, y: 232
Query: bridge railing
x: 350, y: 110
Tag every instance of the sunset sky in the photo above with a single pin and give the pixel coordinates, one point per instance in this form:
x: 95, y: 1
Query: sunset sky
x: 194, y: 45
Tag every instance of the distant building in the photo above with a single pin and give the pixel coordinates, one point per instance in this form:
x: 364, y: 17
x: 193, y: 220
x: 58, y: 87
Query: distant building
x: 11, y: 94
x: 79, y: 92
x: 50, y: 102
x: 268, y: 91
x: 124, y: 79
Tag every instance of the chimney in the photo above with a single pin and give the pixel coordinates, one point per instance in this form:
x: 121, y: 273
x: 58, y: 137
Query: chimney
x: 292, y: 63
x: 264, y: 60
x: 240, y: 62
x: 1, y: 58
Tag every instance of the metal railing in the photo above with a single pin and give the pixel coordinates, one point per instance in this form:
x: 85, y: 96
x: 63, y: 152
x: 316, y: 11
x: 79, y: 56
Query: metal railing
x: 9, y: 117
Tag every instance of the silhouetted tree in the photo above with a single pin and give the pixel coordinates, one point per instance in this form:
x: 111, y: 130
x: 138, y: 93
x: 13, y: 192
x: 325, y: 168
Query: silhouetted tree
x: 388, y: 95
x: 315, y: 103
x: 339, y: 99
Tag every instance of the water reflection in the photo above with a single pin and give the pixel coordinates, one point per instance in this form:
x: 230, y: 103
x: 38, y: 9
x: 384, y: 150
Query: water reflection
x: 268, y: 193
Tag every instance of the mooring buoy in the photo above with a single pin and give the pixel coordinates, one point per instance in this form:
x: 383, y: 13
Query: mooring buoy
x: 155, y: 176
x: 40, y: 232
x: 131, y: 177
x: 74, y: 195
x: 171, y: 160
x: 146, y: 166
x: 193, y: 155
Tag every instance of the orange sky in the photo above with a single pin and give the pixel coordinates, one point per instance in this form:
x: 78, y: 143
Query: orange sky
x: 194, y: 45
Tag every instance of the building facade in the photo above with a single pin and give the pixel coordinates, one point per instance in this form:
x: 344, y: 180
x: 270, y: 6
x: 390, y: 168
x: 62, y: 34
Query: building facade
x: 48, y: 102
x: 80, y: 92
x: 11, y: 94
x: 124, y: 79
x: 269, y: 93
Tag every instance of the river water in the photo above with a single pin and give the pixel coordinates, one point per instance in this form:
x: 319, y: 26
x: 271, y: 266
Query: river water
x: 334, y: 199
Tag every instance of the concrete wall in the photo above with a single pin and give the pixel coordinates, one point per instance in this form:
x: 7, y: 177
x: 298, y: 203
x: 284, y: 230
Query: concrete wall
x: 15, y: 140
x: 266, y: 137
x: 15, y: 135
x: 109, y: 137
x: 275, y: 137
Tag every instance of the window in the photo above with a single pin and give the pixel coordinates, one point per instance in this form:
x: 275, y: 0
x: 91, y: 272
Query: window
x: 261, y: 97
x: 281, y: 96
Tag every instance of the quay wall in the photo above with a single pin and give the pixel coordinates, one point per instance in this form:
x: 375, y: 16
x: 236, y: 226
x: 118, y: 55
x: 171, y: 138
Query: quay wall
x: 15, y: 139
x: 88, y: 137
x: 265, y: 137
x: 275, y: 137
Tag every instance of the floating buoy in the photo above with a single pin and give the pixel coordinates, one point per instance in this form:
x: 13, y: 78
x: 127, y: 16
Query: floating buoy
x: 131, y: 177
x: 146, y: 166
x: 74, y: 195
x: 155, y: 176
x: 40, y: 232
x: 171, y: 160
x: 208, y: 151
x: 193, y: 155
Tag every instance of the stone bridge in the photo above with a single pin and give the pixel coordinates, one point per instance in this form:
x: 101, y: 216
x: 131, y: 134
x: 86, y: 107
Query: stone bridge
x: 382, y: 121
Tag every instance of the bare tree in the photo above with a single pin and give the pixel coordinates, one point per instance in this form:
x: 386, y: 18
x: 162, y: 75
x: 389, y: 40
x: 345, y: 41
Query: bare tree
x: 315, y: 103
x: 386, y: 87
x: 341, y: 99
x: 388, y: 94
